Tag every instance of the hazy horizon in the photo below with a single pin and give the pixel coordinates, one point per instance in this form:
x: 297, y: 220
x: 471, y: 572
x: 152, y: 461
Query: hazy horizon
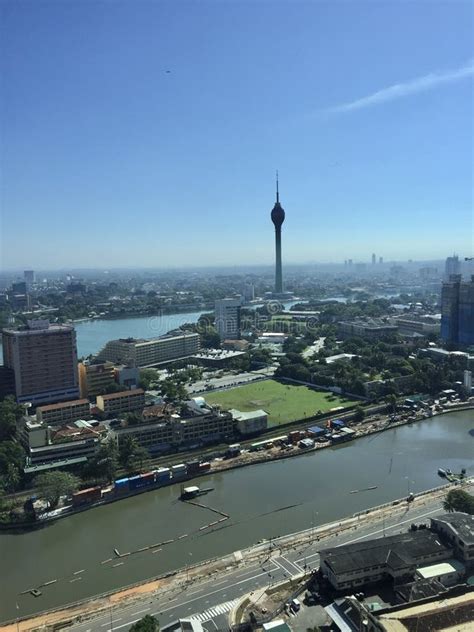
x: 148, y: 134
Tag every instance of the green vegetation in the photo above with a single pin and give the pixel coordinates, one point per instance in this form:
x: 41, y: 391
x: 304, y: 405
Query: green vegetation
x: 52, y: 485
x: 132, y: 456
x: 459, y: 500
x: 147, y: 624
x: 283, y: 402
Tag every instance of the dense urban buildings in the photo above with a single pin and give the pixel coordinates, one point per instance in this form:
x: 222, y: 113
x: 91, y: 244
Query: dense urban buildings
x: 64, y: 412
x: 143, y: 353
x: 457, y: 311
x: 43, y: 358
x: 123, y: 402
x: 278, y: 217
x: 94, y: 379
x: 227, y: 318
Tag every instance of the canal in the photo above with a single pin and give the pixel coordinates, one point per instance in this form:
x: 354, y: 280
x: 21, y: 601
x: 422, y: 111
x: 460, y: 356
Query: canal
x: 263, y: 501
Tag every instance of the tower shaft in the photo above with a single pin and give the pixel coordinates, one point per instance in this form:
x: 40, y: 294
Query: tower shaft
x: 278, y: 271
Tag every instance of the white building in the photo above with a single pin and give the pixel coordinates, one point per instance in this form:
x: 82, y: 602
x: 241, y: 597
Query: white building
x: 227, y: 318
x: 250, y: 422
x: 468, y: 381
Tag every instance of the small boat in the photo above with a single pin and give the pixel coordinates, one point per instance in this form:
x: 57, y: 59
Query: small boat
x: 193, y: 491
x: 441, y: 472
x: 448, y: 472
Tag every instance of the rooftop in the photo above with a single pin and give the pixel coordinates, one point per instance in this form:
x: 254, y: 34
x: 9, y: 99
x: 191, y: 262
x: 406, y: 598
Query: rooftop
x: 133, y: 391
x: 396, y: 550
x: 462, y: 523
x: 244, y: 415
x: 72, y: 402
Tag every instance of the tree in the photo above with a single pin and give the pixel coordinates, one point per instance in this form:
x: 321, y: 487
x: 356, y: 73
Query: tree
x: 52, y: 485
x: 147, y: 624
x: 459, y: 500
x: 12, y: 478
x: 359, y: 414
x: 104, y: 463
x: 10, y: 413
x: 132, y: 455
x: 11, y: 453
x: 133, y: 419
x: 147, y: 378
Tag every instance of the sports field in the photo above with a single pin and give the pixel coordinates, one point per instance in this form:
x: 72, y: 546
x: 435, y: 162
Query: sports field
x: 283, y: 402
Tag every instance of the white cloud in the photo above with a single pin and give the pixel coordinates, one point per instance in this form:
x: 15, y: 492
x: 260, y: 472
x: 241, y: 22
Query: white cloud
x: 399, y: 90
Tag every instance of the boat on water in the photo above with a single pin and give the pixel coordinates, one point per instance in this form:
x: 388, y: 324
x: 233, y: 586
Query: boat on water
x: 193, y: 491
x: 448, y: 472
x: 442, y: 472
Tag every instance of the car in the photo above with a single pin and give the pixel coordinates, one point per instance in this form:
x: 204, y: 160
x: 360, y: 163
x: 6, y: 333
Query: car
x: 295, y: 605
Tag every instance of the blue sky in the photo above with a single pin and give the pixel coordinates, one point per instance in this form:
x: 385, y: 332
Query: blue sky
x: 108, y: 160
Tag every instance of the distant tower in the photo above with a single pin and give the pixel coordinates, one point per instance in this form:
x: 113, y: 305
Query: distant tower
x: 278, y: 217
x: 452, y: 266
x: 374, y: 258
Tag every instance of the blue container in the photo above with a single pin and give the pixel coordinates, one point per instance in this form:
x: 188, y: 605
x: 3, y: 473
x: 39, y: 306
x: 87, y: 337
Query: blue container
x: 122, y: 482
x: 338, y: 423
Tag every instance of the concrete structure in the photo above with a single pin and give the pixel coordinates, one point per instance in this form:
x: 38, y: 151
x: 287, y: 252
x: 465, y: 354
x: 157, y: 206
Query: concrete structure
x: 127, y: 376
x: 457, y: 311
x: 64, y: 413
x: 467, y: 382
x: 370, y: 329
x: 29, y: 276
x: 448, y: 573
x: 278, y: 217
x: 43, y: 358
x: 49, y: 448
x: 457, y: 529
x: 452, y: 266
x: 251, y: 422
x: 95, y: 378
x: 394, y: 557
x: 422, y: 325
x: 217, y: 357
x: 227, y: 318
x: 144, y: 353
x: 172, y: 431
x: 123, y: 402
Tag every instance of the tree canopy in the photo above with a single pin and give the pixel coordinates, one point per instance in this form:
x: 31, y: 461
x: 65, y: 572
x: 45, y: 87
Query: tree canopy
x: 52, y: 485
x: 459, y: 500
x: 147, y: 624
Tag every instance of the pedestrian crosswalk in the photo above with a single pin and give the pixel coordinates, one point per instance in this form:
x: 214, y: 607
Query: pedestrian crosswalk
x: 209, y: 614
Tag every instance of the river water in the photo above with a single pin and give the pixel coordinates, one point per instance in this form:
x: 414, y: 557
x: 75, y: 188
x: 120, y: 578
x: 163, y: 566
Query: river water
x: 263, y: 501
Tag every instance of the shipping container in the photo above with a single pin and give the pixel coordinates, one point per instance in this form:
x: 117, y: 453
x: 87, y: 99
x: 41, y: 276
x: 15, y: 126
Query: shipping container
x: 338, y: 423
x: 192, y: 466
x: 179, y: 471
x: 121, y: 486
x: 203, y: 467
x: 316, y: 431
x: 85, y: 496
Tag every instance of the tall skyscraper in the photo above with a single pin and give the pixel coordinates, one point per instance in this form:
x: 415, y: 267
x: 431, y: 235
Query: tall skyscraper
x: 227, y: 318
x: 29, y: 276
x: 278, y: 217
x: 457, y: 311
x: 452, y: 266
x: 380, y: 259
x: 374, y: 258
x: 43, y: 358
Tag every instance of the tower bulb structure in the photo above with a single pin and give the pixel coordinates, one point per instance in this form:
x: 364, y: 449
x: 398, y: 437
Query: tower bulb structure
x: 278, y: 217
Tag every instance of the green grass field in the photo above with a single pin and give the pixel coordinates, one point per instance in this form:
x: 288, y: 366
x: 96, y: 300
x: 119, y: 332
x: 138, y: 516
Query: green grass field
x: 284, y: 403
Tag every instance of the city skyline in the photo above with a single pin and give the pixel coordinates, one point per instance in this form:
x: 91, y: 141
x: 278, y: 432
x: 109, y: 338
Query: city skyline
x: 131, y: 138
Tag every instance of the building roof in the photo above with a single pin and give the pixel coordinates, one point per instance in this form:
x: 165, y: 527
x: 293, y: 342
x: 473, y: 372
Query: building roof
x: 73, y: 402
x: 247, y: 415
x: 461, y: 523
x: 443, y: 568
x: 133, y: 391
x: 396, y: 551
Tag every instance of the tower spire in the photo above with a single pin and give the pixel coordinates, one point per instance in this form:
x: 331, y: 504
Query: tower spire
x: 278, y: 195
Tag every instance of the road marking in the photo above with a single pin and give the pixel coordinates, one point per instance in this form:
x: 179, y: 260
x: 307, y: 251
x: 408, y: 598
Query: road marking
x: 108, y: 622
x: 138, y: 611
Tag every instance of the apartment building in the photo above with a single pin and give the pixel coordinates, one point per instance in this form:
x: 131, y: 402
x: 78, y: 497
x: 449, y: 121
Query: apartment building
x: 227, y: 318
x: 95, y: 378
x: 144, y: 353
x: 370, y: 329
x: 63, y: 413
x: 43, y: 358
x: 120, y: 403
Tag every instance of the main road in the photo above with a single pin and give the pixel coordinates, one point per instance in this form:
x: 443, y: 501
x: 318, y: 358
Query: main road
x: 211, y: 599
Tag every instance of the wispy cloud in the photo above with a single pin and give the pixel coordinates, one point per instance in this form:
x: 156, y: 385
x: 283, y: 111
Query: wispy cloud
x: 400, y: 90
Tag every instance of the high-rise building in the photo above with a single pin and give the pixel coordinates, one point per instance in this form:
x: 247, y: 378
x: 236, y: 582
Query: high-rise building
x: 457, y: 311
x: 29, y: 276
x: 380, y: 259
x: 43, y: 358
x: 452, y: 266
x: 94, y: 379
x: 19, y: 287
x: 374, y: 258
x: 227, y: 318
x: 249, y: 292
x: 468, y: 381
x: 278, y: 217
x: 142, y: 353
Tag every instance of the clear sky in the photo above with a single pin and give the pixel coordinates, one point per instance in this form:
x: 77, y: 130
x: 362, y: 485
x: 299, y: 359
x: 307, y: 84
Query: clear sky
x: 366, y: 109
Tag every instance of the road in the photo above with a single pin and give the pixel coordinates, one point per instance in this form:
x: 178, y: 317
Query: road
x: 210, y: 600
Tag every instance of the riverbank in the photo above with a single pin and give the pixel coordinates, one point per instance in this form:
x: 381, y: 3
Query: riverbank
x: 274, y: 453
x: 138, y: 594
